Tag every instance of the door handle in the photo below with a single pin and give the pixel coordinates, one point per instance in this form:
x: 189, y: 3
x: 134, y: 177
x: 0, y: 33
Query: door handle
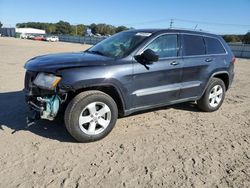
x: 174, y: 63
x: 208, y: 59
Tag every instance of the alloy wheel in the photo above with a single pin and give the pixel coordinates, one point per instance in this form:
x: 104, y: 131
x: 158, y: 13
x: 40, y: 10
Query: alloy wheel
x: 215, y: 96
x: 94, y: 118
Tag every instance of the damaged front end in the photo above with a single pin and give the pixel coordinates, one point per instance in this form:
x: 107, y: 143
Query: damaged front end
x: 43, y: 97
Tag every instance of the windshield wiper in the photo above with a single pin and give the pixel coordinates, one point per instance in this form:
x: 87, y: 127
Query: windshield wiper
x: 96, y: 52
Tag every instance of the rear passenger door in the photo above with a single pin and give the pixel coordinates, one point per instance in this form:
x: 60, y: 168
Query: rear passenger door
x: 195, y: 65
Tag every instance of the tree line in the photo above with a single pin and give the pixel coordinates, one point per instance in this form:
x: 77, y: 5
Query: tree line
x: 63, y: 27
x: 238, y: 38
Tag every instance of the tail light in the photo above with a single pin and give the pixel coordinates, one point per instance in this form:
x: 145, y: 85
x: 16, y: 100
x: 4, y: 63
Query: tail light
x: 233, y: 60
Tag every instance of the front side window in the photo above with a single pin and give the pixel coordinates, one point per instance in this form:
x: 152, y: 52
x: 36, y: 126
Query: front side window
x: 165, y: 46
x: 193, y: 45
x: 214, y: 46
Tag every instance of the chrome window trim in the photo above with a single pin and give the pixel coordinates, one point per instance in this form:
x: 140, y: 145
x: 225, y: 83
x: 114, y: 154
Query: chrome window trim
x: 139, y: 52
x: 204, y: 35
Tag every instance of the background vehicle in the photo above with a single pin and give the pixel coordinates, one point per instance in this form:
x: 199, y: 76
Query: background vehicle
x: 52, y: 38
x: 24, y: 36
x: 30, y: 36
x: 129, y: 72
x: 39, y: 37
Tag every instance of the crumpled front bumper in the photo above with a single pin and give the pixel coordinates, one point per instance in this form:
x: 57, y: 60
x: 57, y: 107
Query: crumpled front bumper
x: 41, y: 103
x: 35, y: 107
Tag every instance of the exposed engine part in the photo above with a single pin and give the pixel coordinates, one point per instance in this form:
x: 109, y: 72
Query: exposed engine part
x: 51, y: 106
x: 64, y: 97
x: 35, y: 107
x: 29, y: 122
x: 31, y: 118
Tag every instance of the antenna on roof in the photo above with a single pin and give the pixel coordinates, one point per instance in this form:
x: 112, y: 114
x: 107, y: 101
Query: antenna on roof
x: 195, y: 26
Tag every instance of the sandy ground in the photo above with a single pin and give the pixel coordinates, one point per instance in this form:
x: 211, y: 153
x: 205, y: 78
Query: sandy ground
x: 176, y: 146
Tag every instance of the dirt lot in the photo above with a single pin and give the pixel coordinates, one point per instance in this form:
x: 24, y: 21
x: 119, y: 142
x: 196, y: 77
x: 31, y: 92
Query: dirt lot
x: 176, y: 146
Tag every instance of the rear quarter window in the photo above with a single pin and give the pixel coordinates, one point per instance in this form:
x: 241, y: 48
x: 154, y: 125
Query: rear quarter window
x: 193, y: 45
x: 214, y: 46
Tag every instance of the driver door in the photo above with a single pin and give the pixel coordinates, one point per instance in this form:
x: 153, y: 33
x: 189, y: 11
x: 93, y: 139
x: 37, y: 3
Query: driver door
x: 158, y: 83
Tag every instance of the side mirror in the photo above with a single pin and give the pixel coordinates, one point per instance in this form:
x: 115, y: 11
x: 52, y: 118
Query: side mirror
x: 149, y: 56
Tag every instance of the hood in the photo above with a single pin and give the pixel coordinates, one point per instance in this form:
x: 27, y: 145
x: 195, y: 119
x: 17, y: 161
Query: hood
x: 54, y: 62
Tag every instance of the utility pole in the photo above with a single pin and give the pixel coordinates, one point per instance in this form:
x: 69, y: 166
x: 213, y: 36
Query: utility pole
x: 171, y: 23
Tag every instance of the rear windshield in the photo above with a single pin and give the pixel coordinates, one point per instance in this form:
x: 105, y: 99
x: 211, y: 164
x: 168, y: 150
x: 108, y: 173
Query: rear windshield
x: 214, y: 46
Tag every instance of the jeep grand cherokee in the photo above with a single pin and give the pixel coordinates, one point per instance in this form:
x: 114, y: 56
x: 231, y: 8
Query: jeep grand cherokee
x: 129, y: 72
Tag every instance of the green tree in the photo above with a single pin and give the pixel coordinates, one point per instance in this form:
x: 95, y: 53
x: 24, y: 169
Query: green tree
x: 102, y: 29
x: 63, y: 27
x: 120, y: 28
x: 232, y: 38
x: 246, y: 38
x: 1, y: 24
x: 81, y: 30
x: 51, y: 28
x: 73, y: 30
x: 93, y: 28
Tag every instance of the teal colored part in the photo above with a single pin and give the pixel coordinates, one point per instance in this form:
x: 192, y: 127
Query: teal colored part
x: 53, y: 104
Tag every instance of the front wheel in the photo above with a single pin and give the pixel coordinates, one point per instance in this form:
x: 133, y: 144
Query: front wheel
x: 90, y: 116
x: 213, y: 97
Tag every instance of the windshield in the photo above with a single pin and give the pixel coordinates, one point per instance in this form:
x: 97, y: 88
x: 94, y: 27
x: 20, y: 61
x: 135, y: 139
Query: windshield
x: 119, y: 45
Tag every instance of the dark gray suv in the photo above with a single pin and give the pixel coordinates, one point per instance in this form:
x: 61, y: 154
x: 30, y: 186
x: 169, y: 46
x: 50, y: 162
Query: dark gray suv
x: 129, y: 72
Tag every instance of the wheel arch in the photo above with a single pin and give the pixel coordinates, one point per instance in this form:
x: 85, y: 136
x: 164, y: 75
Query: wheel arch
x: 223, y: 75
x: 109, y: 89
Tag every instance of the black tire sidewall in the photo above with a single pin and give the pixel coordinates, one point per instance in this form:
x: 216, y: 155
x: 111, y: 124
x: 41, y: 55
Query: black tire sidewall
x: 76, y: 110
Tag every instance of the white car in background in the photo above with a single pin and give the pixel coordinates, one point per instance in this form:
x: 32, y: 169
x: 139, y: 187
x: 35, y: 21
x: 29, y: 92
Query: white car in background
x: 52, y: 39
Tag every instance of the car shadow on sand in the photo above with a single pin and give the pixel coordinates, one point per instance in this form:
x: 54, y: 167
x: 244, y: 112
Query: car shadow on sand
x: 13, y: 111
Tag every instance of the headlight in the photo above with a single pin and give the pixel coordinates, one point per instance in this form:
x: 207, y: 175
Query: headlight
x: 47, y: 81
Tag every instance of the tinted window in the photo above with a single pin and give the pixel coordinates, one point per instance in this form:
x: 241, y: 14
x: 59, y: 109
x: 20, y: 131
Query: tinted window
x: 165, y: 46
x: 214, y: 46
x: 193, y: 45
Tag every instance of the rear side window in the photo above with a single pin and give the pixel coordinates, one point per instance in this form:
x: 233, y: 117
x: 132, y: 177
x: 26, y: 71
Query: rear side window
x: 165, y: 46
x: 193, y: 45
x: 214, y: 46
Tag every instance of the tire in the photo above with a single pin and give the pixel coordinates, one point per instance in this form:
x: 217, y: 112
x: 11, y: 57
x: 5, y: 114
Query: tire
x: 213, y: 97
x: 90, y: 116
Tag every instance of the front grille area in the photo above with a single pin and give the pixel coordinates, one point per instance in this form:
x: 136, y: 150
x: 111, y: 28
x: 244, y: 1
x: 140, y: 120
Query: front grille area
x: 29, y: 77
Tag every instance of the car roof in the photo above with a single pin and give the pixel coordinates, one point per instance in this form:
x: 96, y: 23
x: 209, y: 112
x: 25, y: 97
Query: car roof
x: 159, y: 31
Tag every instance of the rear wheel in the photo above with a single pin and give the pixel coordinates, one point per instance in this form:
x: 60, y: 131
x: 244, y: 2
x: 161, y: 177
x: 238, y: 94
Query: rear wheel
x: 90, y: 116
x: 213, y: 97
